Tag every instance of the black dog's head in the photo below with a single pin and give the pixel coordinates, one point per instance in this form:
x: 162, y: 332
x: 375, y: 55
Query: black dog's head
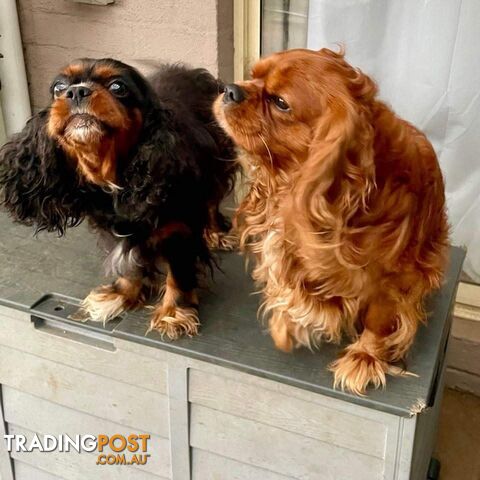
x: 99, y: 113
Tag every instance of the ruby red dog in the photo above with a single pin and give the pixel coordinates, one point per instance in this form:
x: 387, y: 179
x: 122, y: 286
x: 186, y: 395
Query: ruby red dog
x: 345, y: 212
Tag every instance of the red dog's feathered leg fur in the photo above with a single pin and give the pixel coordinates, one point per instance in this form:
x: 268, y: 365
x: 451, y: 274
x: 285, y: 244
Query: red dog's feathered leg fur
x: 305, y: 322
x: 389, y: 327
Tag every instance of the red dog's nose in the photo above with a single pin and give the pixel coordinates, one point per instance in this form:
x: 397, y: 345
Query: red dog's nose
x: 233, y: 93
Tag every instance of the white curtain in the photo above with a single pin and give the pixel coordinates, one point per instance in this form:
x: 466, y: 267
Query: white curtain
x: 425, y: 56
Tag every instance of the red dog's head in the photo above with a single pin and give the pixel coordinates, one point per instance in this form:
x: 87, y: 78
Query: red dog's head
x: 295, y: 99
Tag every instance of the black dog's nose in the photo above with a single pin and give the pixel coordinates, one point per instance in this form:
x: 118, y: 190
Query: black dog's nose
x: 77, y: 93
x: 233, y: 93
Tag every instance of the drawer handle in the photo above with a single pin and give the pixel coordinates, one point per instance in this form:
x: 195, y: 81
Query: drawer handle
x: 57, y: 315
x: 72, y: 332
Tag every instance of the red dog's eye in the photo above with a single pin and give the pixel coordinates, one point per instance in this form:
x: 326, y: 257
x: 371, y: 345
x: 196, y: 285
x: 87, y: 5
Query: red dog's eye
x: 280, y: 103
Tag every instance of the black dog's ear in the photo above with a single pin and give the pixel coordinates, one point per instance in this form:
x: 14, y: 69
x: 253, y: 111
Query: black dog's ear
x: 159, y: 169
x: 37, y: 186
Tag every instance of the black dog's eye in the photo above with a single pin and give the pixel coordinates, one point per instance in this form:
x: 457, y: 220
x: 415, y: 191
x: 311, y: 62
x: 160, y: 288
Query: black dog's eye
x: 59, y: 88
x: 118, y: 88
x: 280, y: 103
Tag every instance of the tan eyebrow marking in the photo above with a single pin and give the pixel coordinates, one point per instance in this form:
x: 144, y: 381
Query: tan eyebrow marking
x: 73, y: 70
x: 106, y: 71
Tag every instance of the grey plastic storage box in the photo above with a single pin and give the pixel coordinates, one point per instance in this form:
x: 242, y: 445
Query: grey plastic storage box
x: 222, y: 406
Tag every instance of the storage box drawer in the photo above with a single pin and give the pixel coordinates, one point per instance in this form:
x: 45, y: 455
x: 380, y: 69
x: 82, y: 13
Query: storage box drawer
x: 75, y: 466
x: 208, y: 466
x: 86, y: 392
x: 24, y: 471
x: 81, y: 350
x: 282, y: 434
x: 54, y: 419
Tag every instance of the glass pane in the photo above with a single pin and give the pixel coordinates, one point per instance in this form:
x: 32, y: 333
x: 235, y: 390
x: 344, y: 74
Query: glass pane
x: 284, y: 25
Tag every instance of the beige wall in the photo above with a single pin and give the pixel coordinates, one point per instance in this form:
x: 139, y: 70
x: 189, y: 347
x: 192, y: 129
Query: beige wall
x: 139, y: 32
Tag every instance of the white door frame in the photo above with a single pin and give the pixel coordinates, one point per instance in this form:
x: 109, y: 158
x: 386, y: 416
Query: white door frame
x: 3, y: 135
x: 246, y: 36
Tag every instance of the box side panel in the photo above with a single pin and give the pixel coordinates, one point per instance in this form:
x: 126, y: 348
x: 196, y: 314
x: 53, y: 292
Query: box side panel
x: 24, y: 471
x: 80, y: 350
x: 54, y: 419
x: 285, y: 436
x: 208, y: 466
x: 74, y: 467
x: 329, y: 425
x: 84, y: 391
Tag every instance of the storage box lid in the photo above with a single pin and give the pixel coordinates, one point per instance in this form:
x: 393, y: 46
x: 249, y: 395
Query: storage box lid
x: 231, y: 334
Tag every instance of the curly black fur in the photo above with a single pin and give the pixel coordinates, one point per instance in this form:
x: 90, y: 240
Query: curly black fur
x: 37, y: 181
x: 181, y: 165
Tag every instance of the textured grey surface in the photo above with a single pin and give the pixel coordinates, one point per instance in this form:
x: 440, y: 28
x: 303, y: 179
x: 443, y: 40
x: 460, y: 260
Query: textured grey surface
x: 230, y: 335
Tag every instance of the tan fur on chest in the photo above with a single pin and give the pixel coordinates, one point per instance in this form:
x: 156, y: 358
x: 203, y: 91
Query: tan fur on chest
x: 98, y: 167
x: 298, y: 292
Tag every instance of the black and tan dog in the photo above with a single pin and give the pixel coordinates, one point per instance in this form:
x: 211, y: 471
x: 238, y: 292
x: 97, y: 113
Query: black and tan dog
x: 145, y: 163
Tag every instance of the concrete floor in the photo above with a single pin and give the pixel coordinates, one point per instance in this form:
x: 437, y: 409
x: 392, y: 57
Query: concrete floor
x: 458, y: 442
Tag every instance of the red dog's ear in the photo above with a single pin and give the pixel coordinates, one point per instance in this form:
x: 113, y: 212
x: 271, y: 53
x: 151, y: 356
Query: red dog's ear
x: 335, y: 55
x: 339, y: 171
x: 360, y: 86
